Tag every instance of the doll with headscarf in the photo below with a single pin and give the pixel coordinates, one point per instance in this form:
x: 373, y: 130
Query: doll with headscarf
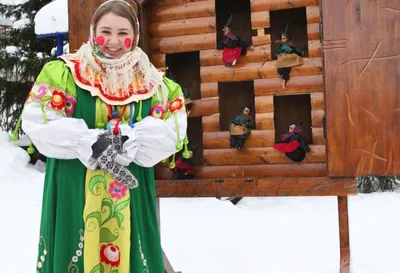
x: 240, y: 127
x: 288, y: 56
x: 294, y: 143
x: 103, y: 116
x: 233, y: 46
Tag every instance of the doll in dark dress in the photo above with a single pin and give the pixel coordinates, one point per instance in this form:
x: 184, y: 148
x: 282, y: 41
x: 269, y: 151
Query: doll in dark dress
x: 240, y: 127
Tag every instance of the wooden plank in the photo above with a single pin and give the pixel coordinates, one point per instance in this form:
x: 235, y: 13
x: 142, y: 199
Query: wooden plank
x: 264, y: 5
x: 264, y: 104
x: 161, y: 3
x: 260, y: 20
x: 264, y: 155
x: 211, y: 123
x: 183, y: 43
x: 220, y: 140
x: 313, y: 14
x: 179, y: 11
x: 344, y: 234
x: 252, y: 71
x: 183, y: 27
x: 254, y: 55
x: 317, y: 118
x: 318, y: 136
x: 315, y: 186
x: 158, y: 60
x: 247, y: 171
x: 313, y: 31
x: 209, y: 90
x: 204, y: 107
x: 265, y: 121
x: 296, y: 85
x: 261, y: 40
x: 314, y: 48
x: 317, y: 101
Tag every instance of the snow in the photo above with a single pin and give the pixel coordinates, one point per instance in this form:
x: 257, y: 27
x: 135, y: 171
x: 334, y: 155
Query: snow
x: 13, y: 2
x: 11, y: 49
x: 5, y: 22
x: 52, y: 18
x: 21, y: 23
x: 274, y: 235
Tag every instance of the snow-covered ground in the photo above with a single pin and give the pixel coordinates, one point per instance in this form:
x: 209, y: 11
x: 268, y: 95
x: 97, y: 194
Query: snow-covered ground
x: 273, y: 235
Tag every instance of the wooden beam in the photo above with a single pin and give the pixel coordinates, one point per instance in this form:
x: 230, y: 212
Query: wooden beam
x: 220, y: 140
x: 317, y: 101
x: 254, y: 55
x: 264, y: 155
x: 261, y: 40
x: 246, y: 171
x: 313, y: 14
x: 317, y: 118
x: 318, y: 136
x: 183, y: 27
x: 265, y: 121
x: 264, y: 104
x: 296, y: 85
x: 344, y: 235
x: 210, y: 123
x: 315, y: 186
x: 314, y: 48
x: 209, y: 90
x: 204, y: 107
x: 313, y: 31
x: 260, y: 20
x: 264, y: 5
x: 252, y: 71
x: 193, y: 9
x: 183, y: 43
x: 158, y: 60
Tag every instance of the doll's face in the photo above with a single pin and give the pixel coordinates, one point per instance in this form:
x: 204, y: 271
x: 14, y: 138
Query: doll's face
x: 226, y: 30
x: 291, y: 128
x: 284, y: 39
x: 114, y: 35
x: 246, y: 111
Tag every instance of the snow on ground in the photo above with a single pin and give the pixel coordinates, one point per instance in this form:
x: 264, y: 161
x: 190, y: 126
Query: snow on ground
x: 52, y: 18
x: 274, y: 235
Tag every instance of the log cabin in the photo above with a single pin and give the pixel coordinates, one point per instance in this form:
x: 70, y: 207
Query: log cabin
x: 345, y: 95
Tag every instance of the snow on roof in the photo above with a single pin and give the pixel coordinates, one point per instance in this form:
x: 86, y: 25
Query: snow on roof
x: 52, y: 18
x: 5, y: 22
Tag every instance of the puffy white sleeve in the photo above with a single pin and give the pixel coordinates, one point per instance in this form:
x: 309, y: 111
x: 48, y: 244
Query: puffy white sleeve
x: 162, y: 133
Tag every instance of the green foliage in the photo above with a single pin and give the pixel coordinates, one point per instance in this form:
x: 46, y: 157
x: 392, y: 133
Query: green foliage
x: 18, y: 70
x: 369, y: 184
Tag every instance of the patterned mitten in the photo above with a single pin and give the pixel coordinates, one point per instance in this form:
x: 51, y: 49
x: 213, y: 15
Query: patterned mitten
x: 105, y: 150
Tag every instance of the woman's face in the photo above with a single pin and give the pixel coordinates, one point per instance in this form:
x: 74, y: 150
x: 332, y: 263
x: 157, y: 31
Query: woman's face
x: 283, y: 38
x: 114, y: 35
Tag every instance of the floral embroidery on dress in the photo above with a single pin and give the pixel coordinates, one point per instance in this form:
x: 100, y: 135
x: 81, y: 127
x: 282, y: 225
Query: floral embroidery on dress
x: 70, y: 104
x: 117, y: 190
x: 157, y: 111
x: 176, y: 105
x: 58, y: 100
x: 146, y: 269
x: 72, y: 267
x: 109, y: 254
x: 42, y: 257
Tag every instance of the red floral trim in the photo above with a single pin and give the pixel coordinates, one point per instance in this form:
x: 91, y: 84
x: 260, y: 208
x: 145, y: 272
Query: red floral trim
x: 58, y: 100
x: 176, y: 105
x: 109, y: 254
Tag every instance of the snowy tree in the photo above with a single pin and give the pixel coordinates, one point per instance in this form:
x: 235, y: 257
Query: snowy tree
x: 369, y: 184
x: 22, y: 56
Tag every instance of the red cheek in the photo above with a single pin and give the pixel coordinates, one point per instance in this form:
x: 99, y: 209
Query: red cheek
x: 100, y: 40
x: 128, y: 42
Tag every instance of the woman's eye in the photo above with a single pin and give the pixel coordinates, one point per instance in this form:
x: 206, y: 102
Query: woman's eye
x: 123, y: 33
x: 105, y: 32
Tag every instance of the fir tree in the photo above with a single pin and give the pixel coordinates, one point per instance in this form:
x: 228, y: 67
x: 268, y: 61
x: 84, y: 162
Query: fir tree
x: 19, y: 67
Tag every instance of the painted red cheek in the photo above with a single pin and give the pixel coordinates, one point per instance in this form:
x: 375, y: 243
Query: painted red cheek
x: 128, y: 42
x: 100, y: 40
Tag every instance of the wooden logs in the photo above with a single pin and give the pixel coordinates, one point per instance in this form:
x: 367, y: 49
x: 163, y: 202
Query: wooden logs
x: 304, y: 186
x: 183, y: 43
x: 211, y: 123
x: 248, y: 171
x: 264, y: 5
x: 264, y: 155
x: 265, y: 121
x: 164, y: 3
x: 192, y: 9
x: 220, y: 140
x: 317, y: 118
x: 314, y: 49
x: 254, y: 55
x: 251, y: 71
x: 158, y: 60
x: 264, y: 104
x: 318, y: 136
x: 313, y: 14
x: 183, y: 27
x: 204, y: 107
x: 261, y: 40
x: 209, y: 90
x: 317, y: 101
x: 313, y: 31
x: 296, y: 85
x: 260, y: 20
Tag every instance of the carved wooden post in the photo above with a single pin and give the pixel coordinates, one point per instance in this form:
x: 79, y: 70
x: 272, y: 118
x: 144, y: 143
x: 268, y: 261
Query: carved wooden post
x: 344, y: 235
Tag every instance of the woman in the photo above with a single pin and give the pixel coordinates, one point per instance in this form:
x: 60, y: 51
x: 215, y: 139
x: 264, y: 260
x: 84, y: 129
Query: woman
x: 288, y: 56
x: 107, y: 101
x: 293, y: 144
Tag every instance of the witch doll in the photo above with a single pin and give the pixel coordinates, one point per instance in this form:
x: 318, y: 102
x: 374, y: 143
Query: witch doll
x: 233, y: 45
x: 184, y: 167
x: 294, y: 143
x: 288, y: 56
x: 240, y: 127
